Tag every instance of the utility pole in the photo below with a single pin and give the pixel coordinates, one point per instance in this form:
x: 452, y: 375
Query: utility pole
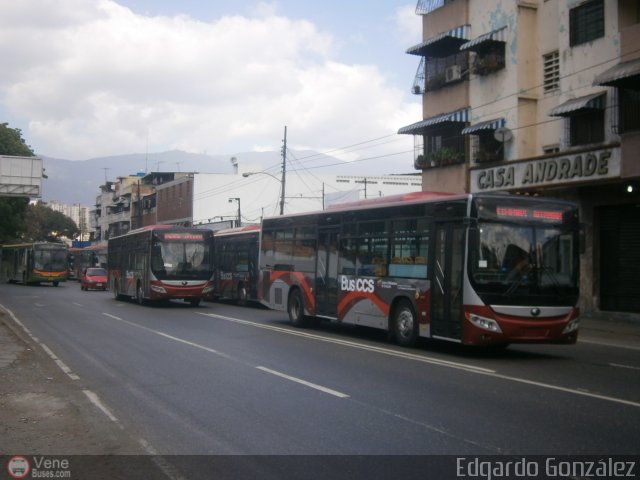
x: 284, y: 170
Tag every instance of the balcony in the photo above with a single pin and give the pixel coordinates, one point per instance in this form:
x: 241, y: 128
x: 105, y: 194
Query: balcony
x: 487, y: 64
x: 439, y: 158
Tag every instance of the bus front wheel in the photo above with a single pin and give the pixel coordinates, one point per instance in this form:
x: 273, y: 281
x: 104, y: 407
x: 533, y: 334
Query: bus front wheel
x: 116, y: 291
x: 295, y: 308
x: 405, y: 324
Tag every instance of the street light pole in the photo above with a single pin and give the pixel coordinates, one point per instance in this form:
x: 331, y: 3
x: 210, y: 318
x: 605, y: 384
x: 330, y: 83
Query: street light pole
x: 239, y: 224
x: 284, y: 170
x: 248, y: 174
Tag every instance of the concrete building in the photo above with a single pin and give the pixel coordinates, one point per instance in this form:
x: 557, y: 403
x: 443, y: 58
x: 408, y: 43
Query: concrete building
x: 78, y: 213
x: 540, y: 97
x: 203, y: 198
x: 207, y: 199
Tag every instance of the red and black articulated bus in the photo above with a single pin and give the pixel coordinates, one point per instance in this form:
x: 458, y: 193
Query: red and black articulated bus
x: 236, y: 264
x: 160, y: 263
x: 476, y: 269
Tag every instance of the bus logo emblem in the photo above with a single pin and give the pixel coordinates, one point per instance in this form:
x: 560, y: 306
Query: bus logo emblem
x: 535, y: 312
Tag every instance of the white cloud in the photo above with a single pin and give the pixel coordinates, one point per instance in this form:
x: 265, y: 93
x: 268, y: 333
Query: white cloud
x: 94, y: 79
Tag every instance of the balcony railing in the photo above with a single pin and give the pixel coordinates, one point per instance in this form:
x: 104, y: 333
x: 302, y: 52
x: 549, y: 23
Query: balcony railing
x: 439, y: 158
x: 489, y: 63
x: 441, y: 72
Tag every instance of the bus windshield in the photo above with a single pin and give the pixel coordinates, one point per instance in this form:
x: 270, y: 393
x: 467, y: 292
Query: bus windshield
x: 181, y: 260
x: 511, y: 262
x: 50, y: 259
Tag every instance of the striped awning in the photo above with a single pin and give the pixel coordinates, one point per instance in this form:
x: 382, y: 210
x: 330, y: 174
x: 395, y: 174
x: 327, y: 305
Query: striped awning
x: 443, y: 43
x: 488, y: 125
x: 418, y: 128
x: 427, y: 6
x: 595, y: 101
x: 626, y: 75
x: 495, y: 36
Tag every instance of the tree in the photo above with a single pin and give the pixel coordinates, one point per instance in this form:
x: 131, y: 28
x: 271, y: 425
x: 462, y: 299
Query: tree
x: 11, y: 142
x: 44, y: 224
x: 12, y: 210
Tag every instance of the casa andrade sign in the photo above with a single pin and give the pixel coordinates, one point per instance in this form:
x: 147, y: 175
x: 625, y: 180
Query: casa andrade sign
x: 563, y: 169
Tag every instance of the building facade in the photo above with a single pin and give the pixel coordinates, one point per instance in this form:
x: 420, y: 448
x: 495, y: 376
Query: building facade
x: 540, y: 97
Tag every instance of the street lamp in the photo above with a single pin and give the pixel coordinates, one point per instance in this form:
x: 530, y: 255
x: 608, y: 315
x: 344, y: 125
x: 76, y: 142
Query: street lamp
x: 248, y: 174
x: 239, y: 214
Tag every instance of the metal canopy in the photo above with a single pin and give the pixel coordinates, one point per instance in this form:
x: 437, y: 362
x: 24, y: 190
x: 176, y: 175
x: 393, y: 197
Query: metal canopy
x: 443, y: 44
x: 594, y: 101
x: 496, y: 36
x: 624, y: 75
x: 459, y: 116
x: 488, y: 125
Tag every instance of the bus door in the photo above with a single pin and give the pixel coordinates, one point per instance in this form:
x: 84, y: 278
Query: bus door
x: 446, y: 285
x: 327, y: 272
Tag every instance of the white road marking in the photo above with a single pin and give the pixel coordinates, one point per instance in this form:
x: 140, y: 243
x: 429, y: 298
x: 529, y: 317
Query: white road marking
x: 224, y: 355
x: 609, y: 344
x: 618, y: 365
x: 304, y: 382
x: 170, y: 337
x: 459, y: 366
x: 77, y: 304
x: 156, y: 458
x: 47, y: 350
x: 371, y: 348
x: 93, y: 398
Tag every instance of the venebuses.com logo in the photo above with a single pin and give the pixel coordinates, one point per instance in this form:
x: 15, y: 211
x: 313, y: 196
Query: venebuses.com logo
x: 18, y: 467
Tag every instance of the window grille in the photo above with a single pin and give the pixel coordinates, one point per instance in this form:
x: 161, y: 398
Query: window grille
x: 586, y: 22
x: 551, y: 72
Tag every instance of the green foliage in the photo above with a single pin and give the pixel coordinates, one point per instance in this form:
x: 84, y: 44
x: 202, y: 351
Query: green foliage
x: 44, y: 224
x: 12, y: 214
x: 12, y: 210
x: 11, y: 142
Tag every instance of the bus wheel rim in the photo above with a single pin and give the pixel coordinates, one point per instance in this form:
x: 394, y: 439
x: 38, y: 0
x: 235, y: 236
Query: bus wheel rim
x: 405, y: 323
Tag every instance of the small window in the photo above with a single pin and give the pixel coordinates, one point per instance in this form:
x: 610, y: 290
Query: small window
x: 586, y: 22
x: 551, y: 72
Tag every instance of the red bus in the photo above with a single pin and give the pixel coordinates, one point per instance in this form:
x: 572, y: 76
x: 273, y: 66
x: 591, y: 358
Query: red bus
x: 477, y: 269
x: 236, y: 264
x: 85, y: 257
x: 160, y: 263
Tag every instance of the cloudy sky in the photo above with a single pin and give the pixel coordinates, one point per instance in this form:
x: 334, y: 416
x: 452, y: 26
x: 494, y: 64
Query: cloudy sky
x: 92, y: 78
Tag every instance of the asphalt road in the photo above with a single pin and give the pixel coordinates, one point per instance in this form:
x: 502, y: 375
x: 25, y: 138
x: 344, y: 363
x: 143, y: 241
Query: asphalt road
x: 225, y: 380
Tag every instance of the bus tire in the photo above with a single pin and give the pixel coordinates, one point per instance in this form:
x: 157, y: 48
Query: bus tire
x: 194, y: 302
x: 405, y: 324
x: 116, y: 295
x: 242, y: 295
x: 295, y: 309
x: 139, y: 297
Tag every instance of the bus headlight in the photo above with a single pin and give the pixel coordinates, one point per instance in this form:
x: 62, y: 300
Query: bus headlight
x: 207, y: 289
x: 572, y: 326
x: 485, y: 323
x: 158, y: 289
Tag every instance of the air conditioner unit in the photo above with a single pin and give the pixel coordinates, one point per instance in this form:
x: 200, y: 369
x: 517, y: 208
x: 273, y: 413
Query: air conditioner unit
x: 453, y: 73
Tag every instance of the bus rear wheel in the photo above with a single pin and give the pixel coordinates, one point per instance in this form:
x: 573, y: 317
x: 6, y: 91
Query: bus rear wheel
x: 139, y: 297
x: 295, y: 308
x: 405, y: 324
x: 242, y: 296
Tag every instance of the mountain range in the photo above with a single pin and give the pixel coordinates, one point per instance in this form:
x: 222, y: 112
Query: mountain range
x: 78, y: 181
